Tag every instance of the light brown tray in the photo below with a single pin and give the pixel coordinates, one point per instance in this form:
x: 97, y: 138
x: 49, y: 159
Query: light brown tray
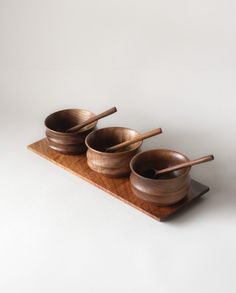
x: 119, y: 187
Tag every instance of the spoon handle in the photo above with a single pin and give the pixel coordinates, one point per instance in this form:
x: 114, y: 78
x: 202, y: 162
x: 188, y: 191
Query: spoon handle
x: 92, y: 119
x: 134, y: 140
x: 184, y: 165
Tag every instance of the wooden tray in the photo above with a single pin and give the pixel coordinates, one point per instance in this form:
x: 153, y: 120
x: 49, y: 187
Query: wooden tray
x: 119, y: 187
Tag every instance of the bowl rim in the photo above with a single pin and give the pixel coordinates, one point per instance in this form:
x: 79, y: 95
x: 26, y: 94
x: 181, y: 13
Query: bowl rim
x: 115, y: 153
x: 66, y: 110
x: 156, y: 180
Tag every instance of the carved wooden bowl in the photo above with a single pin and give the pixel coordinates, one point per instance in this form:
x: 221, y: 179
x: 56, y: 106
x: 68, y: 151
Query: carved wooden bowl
x: 167, y: 189
x: 68, y: 143
x: 115, y: 164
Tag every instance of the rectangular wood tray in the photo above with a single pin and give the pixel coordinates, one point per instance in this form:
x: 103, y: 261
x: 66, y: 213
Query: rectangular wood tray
x: 118, y: 187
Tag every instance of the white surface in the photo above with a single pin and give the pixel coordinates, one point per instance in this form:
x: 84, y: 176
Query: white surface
x: 162, y: 63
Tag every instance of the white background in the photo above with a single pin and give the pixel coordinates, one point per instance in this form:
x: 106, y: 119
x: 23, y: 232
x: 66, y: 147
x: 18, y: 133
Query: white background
x: 169, y: 64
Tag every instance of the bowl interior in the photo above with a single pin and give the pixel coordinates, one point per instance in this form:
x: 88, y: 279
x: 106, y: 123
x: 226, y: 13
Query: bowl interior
x: 158, y: 159
x: 100, y: 139
x: 62, y: 120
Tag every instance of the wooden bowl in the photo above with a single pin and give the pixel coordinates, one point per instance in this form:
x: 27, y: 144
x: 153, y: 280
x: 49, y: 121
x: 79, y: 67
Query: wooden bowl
x: 115, y: 164
x: 168, y: 189
x: 68, y: 143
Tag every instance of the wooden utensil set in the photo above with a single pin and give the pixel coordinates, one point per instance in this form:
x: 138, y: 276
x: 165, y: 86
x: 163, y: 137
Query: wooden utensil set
x: 159, y: 182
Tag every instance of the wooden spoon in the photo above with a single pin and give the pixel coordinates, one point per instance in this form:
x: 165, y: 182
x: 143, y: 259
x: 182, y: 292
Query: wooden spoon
x: 134, y: 140
x: 91, y: 120
x: 153, y: 173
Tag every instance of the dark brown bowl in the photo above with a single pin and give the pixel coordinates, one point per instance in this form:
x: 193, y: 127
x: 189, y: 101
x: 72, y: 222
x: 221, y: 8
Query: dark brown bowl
x: 68, y: 143
x: 166, y: 190
x: 115, y: 164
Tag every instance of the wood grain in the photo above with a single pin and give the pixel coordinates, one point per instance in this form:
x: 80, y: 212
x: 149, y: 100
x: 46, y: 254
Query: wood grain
x: 129, y: 142
x: 184, y: 165
x: 118, y: 187
x: 95, y: 118
x: 68, y: 143
x: 162, y: 191
x: 115, y: 164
